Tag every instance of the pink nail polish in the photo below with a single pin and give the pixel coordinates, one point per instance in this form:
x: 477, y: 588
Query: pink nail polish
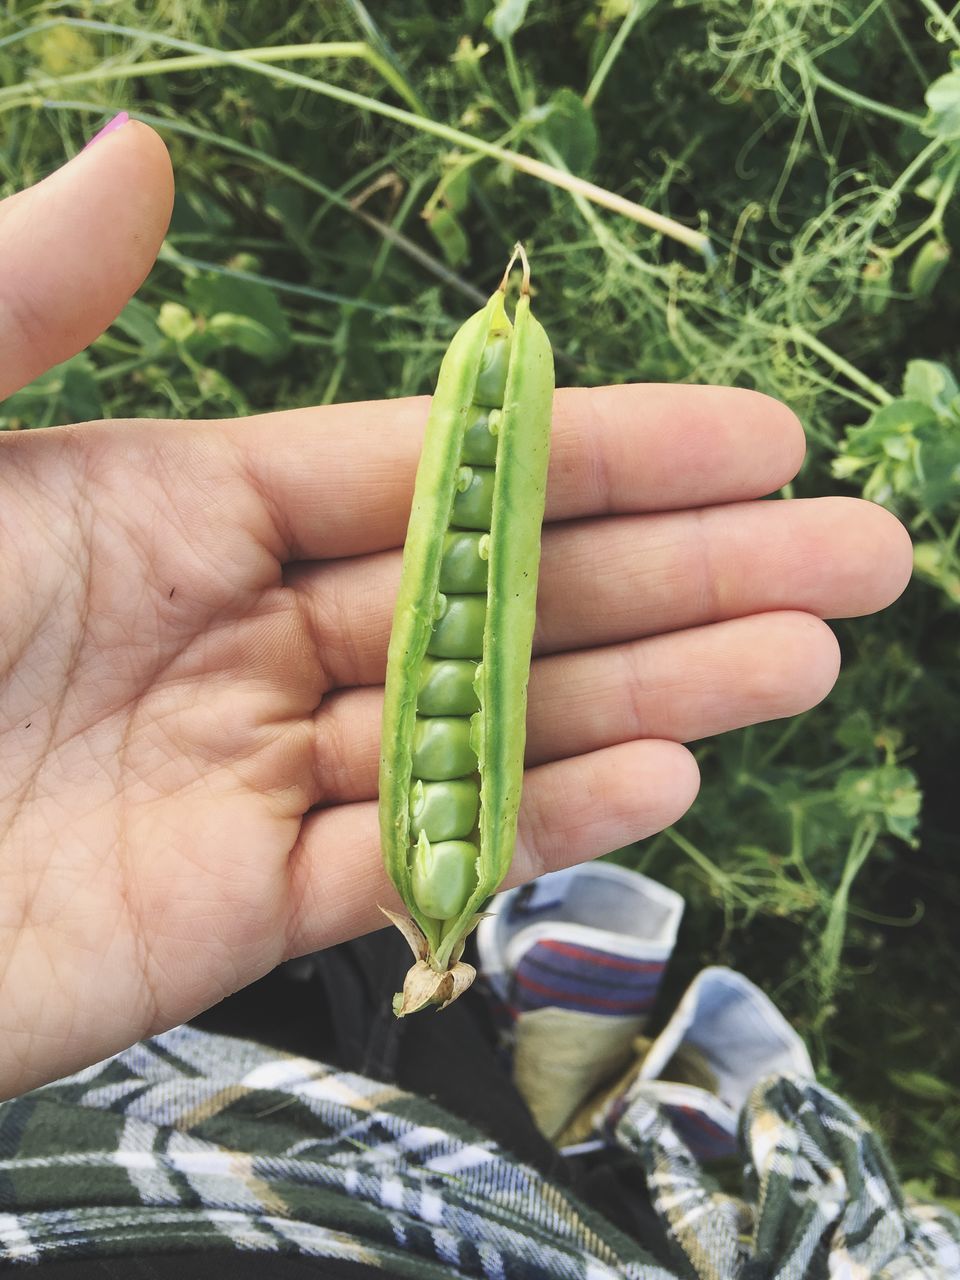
x: 112, y: 125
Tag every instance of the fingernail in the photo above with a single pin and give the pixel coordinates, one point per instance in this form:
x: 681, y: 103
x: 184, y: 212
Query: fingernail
x: 115, y: 123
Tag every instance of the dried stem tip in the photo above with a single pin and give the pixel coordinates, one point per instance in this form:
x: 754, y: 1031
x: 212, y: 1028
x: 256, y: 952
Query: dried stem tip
x: 423, y: 984
x: 518, y: 252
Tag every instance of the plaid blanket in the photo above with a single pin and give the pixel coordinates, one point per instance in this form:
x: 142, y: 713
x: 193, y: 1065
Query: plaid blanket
x: 192, y: 1141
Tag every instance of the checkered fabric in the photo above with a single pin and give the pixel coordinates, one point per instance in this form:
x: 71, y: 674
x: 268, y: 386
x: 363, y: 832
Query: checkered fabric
x: 191, y: 1141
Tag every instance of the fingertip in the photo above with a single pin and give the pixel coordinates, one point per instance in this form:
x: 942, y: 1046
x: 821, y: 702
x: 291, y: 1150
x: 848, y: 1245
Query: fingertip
x: 877, y: 560
x: 824, y: 659
x: 784, y: 425
x: 662, y: 446
x: 798, y: 667
x: 765, y: 432
x: 137, y: 164
x: 152, y: 146
x: 681, y: 780
x: 898, y: 550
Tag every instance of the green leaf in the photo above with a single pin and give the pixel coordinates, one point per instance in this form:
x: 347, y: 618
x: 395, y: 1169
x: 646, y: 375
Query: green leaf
x: 80, y: 399
x: 176, y: 322
x: 888, y: 792
x: 932, y: 563
x: 456, y: 186
x: 848, y: 464
x: 930, y: 187
x: 213, y: 295
x: 875, y: 285
x: 287, y: 205
x: 927, y: 267
x: 949, y: 1162
x: 507, y: 18
x: 904, y: 415
x: 857, y: 731
x: 931, y: 383
x: 900, y: 448
x: 939, y: 466
x: 215, y: 386
x: 570, y: 130
x: 138, y: 322
x: 195, y: 210
x: 445, y: 228
x: 68, y: 392
x: 247, y: 334
x: 921, y: 1084
x: 943, y: 102
x: 899, y: 418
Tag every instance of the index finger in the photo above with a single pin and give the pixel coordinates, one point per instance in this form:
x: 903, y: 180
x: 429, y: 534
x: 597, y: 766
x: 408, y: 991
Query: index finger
x: 338, y: 480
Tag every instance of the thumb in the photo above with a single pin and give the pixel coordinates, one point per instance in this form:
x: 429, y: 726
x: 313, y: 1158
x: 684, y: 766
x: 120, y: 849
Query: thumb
x: 74, y: 248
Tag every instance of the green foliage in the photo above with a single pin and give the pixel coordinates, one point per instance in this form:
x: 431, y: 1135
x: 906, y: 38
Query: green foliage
x: 66, y: 393
x: 507, y: 18
x: 323, y: 250
x: 943, y: 101
x: 927, y: 267
x: 907, y: 456
x: 570, y: 131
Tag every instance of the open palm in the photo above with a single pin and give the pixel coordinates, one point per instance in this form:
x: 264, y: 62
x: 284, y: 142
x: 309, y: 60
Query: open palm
x: 193, y: 633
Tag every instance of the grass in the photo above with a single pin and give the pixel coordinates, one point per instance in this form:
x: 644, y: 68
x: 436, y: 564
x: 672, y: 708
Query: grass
x: 755, y: 193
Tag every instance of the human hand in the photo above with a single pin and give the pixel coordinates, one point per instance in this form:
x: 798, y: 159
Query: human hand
x: 194, y: 631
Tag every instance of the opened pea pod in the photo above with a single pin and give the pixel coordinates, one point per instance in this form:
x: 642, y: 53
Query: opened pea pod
x: 454, y: 720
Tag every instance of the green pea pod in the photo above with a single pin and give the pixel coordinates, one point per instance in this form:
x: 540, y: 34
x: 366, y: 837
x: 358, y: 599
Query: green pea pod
x: 454, y: 719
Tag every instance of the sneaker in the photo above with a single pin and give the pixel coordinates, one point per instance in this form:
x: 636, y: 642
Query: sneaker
x: 725, y: 1036
x: 573, y: 964
x: 594, y: 938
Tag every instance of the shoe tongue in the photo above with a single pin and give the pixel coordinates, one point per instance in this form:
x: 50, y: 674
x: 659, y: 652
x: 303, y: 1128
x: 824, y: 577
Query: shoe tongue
x: 583, y: 969
x: 547, y: 894
x: 593, y: 938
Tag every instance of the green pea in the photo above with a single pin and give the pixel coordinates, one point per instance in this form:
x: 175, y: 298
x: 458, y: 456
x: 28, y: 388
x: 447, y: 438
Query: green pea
x: 442, y: 748
x: 480, y: 437
x: 464, y: 564
x: 494, y: 365
x: 446, y: 687
x: 451, y: 764
x: 458, y: 632
x: 473, y: 504
x: 444, y: 810
x: 443, y: 875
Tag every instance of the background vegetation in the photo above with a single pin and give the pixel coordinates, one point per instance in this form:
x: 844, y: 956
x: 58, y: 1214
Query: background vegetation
x: 343, y: 195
